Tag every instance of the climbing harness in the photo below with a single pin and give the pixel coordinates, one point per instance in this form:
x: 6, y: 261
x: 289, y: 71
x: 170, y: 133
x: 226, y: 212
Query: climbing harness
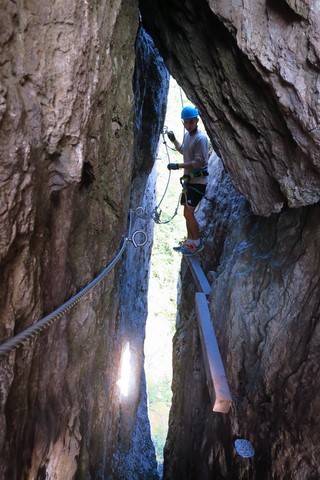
x: 138, y: 238
x: 185, y: 179
x: 187, y: 186
x: 200, y: 172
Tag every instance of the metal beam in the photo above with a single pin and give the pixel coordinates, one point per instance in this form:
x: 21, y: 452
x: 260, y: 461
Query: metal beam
x: 198, y: 275
x: 216, y: 377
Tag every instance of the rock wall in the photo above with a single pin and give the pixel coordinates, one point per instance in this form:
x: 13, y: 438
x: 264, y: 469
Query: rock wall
x: 76, y: 153
x: 68, y: 160
x: 252, y: 68
x: 265, y: 305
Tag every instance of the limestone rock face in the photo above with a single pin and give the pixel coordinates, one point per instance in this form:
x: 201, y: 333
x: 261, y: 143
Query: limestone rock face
x: 264, y: 305
x: 82, y: 99
x: 253, y: 70
x: 68, y: 159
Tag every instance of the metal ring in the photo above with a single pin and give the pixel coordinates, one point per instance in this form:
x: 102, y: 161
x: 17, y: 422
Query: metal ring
x: 141, y: 243
x: 142, y: 214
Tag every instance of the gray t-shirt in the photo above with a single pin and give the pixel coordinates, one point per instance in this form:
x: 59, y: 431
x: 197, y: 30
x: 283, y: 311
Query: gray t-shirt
x: 195, y: 149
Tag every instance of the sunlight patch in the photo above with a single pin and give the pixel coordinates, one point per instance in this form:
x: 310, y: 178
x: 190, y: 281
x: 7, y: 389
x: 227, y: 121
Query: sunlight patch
x: 124, y: 380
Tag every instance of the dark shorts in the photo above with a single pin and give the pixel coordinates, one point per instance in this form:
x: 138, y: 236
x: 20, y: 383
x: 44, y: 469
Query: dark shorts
x: 193, y: 195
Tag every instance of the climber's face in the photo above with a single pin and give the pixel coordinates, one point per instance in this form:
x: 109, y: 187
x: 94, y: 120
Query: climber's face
x: 191, y: 124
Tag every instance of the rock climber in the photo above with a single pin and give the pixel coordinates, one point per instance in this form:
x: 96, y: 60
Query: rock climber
x: 195, y: 164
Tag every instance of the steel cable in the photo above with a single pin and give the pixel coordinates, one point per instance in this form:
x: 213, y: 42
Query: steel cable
x: 18, y: 340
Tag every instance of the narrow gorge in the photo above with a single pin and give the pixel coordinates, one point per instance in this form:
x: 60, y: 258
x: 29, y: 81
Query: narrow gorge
x: 83, y: 93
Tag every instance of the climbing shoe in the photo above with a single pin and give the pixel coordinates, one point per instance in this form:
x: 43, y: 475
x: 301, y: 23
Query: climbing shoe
x: 191, y: 249
x: 181, y: 245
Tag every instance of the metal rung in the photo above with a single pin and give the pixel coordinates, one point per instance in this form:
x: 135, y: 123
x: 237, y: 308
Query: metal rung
x: 215, y: 373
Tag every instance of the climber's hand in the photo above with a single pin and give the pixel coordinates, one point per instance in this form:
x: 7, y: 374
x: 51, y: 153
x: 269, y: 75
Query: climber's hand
x: 171, y: 136
x: 173, y: 166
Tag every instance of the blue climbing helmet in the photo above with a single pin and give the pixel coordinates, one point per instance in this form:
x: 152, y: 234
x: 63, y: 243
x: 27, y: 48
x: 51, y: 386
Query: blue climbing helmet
x: 189, y: 112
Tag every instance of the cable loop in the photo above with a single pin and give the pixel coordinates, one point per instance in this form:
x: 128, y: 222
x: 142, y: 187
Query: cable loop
x: 143, y: 213
x: 140, y: 243
x: 21, y: 338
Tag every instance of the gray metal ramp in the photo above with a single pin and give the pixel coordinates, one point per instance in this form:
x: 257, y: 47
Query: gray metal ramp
x: 216, y: 377
x: 198, y: 275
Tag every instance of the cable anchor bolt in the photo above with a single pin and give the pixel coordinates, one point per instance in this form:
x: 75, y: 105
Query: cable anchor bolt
x: 139, y: 242
x: 141, y: 213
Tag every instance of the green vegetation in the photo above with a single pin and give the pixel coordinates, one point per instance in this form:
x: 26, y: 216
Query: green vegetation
x: 165, y: 266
